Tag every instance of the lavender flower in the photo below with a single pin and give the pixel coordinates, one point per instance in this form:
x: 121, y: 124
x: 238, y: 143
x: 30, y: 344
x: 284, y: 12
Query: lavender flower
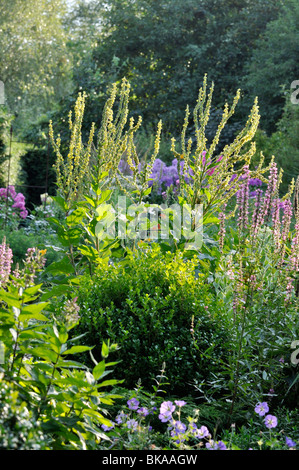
x: 212, y: 445
x: 164, y: 176
x: 121, y: 417
x: 17, y: 201
x: 276, y: 223
x: 132, y: 424
x: 255, y: 182
x: 290, y: 443
x: 143, y: 411
x: 166, y: 410
x: 179, y: 428
x: 133, y: 404
x: 180, y: 402
x: 165, y: 416
x: 286, y: 220
x: 202, y: 432
x: 294, y: 256
x: 221, y: 445
x: 261, y: 408
x: 270, y: 421
x: 167, y: 406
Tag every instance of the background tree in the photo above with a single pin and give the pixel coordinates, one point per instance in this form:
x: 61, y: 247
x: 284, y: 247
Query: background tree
x: 35, y: 64
x: 165, y: 48
x: 274, y: 64
x: 5, y: 124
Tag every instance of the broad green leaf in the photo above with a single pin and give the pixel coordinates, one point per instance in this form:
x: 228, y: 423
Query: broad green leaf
x: 32, y: 290
x: 90, y: 201
x: 98, y: 370
x: 70, y: 364
x: 32, y: 311
x: 77, y: 349
x: 44, y: 352
x: 10, y: 299
x: 98, y: 416
x: 104, y: 196
x: 60, y: 201
x: 109, y: 382
x: 75, y: 216
x: 63, y: 266
x: 55, y: 291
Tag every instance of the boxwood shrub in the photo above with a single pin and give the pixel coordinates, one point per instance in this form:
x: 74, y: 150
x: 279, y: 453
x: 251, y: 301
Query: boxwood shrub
x: 155, y: 307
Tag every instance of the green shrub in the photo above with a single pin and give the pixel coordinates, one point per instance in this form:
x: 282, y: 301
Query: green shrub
x: 20, y: 240
x: 156, y: 307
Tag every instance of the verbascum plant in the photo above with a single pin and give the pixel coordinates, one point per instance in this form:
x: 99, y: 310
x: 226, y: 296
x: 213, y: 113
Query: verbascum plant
x: 116, y: 143
x: 72, y: 170
x: 216, y: 178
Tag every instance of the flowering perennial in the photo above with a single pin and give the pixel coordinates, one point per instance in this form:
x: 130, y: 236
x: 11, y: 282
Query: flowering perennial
x: 12, y: 205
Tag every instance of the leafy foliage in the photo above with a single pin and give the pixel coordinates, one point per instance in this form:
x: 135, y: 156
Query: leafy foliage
x: 65, y: 399
x: 274, y: 65
x: 148, y: 305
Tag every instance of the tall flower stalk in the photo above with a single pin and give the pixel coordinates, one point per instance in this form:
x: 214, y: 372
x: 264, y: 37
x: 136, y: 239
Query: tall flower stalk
x: 72, y: 170
x: 213, y: 182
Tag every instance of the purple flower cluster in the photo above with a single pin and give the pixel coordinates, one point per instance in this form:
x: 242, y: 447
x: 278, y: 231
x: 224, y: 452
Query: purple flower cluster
x: 164, y: 176
x: 179, y: 431
x: 125, y: 419
x: 261, y: 409
x: 17, y: 200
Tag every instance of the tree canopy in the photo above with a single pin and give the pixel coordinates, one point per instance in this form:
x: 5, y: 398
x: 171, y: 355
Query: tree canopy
x: 35, y: 64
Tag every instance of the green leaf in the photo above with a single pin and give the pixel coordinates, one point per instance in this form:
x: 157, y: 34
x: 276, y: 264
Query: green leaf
x: 104, y: 196
x: 75, y: 216
x: 90, y: 252
x: 10, y: 299
x: 98, y: 370
x: 110, y: 382
x: 43, y: 352
x: 77, y: 349
x: 60, y: 201
x: 32, y: 290
x: 98, y: 416
x: 55, y: 291
x: 70, y: 364
x: 105, y: 350
x: 63, y: 266
x: 32, y: 312
x: 90, y: 201
x: 147, y: 191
